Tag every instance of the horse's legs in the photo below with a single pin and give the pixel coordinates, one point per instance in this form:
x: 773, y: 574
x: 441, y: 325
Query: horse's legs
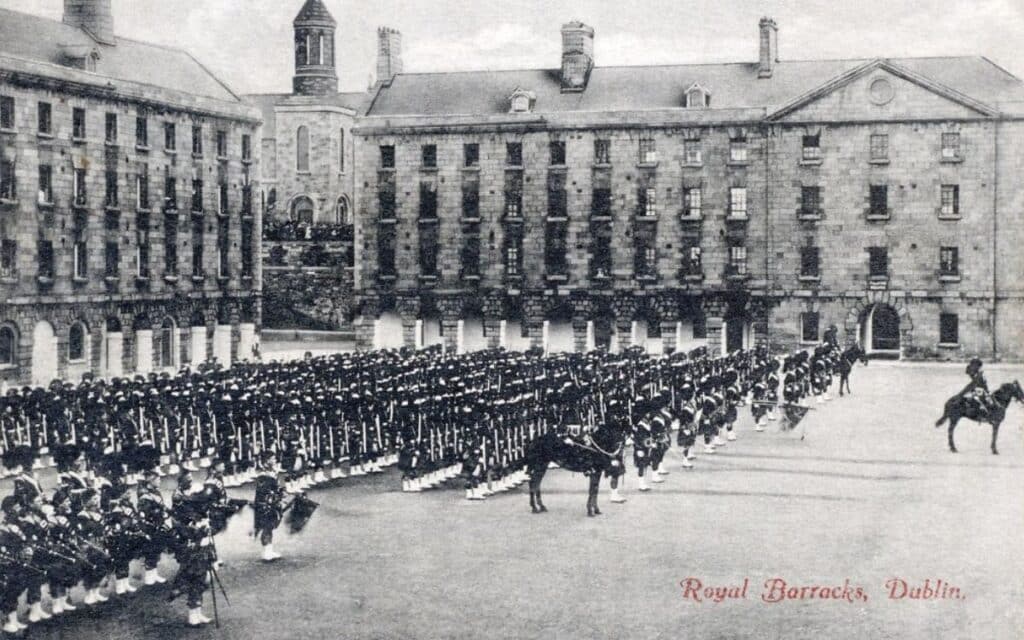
x: 533, y: 490
x: 952, y: 425
x: 995, y: 434
x: 540, y: 476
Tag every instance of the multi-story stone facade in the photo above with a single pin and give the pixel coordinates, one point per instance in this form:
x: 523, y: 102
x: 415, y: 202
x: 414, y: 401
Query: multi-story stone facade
x: 128, y: 211
x: 674, y: 206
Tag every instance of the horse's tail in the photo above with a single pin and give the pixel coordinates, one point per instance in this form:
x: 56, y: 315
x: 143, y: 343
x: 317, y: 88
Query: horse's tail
x: 942, y: 420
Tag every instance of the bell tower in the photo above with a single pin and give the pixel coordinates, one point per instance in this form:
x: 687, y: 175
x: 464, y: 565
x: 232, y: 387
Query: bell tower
x: 315, y: 73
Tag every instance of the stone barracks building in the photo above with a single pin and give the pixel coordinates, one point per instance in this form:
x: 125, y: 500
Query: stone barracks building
x: 673, y: 206
x: 129, y: 224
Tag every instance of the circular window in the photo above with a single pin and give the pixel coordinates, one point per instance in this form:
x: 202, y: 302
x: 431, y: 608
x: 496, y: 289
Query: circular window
x: 881, y: 91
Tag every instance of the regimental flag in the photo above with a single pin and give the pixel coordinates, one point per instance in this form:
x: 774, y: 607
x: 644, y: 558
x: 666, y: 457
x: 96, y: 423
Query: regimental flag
x: 795, y: 413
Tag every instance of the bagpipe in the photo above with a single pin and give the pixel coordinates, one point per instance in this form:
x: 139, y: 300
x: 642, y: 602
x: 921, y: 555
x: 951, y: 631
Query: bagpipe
x: 221, y: 512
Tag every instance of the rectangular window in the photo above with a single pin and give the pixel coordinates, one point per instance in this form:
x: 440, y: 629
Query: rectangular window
x: 950, y: 200
x: 811, y: 147
x: 6, y: 112
x: 513, y: 194
x: 879, y: 146
x: 556, y: 249
x: 645, y: 258
x: 809, y: 323
x: 386, y: 250
x: 949, y: 328
x: 45, y: 259
x: 8, y: 189
x: 648, y: 151
x: 557, y: 151
x: 171, y: 194
x: 737, y: 261
x: 223, y: 250
x: 222, y: 144
x: 197, y: 248
x: 428, y: 250
x: 810, y: 201
x: 246, y: 147
x: 513, y: 254
x: 601, y: 205
x: 602, y: 151
x: 45, y: 118
x: 246, y: 249
x: 197, y: 140
x: 879, y: 200
x: 8, y: 258
x: 170, y: 247
x: 692, y: 152
x: 170, y: 136
x: 428, y: 201
x: 738, y: 202
x: 738, y: 150
x: 387, y: 156
x: 142, y: 190
x: 648, y: 201
x: 222, y: 198
x: 471, y: 155
x: 949, y: 261
x: 878, y: 262
x: 470, y: 200
x: 950, y: 146
x: 78, y: 185
x: 112, y: 260
x: 429, y: 154
x: 692, y: 202
x: 514, y: 154
x: 111, y: 197
x: 557, y: 203
x: 81, y: 256
x: 111, y: 129
x: 45, y: 184
x: 691, y: 260
x: 197, y: 195
x: 470, y: 257
x: 601, y: 257
x: 78, y: 123
x: 341, y: 151
x: 809, y: 262
x: 141, y: 132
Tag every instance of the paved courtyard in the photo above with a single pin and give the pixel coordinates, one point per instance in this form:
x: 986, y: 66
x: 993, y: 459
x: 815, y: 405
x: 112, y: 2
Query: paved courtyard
x: 870, y: 494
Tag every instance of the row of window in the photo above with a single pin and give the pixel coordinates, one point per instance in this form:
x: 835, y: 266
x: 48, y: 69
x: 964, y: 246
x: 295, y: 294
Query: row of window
x: 949, y: 328
x: 647, y: 153
x: 878, y: 262
x: 112, y: 198
x: 44, y: 126
x: 112, y: 255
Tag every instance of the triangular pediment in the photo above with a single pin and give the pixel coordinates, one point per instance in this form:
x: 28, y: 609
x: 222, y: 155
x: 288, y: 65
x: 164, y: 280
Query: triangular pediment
x: 881, y: 90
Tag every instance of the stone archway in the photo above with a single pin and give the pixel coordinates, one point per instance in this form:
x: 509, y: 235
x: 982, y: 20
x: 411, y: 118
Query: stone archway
x: 881, y: 325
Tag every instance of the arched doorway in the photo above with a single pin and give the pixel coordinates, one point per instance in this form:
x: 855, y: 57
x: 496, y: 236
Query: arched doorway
x: 342, y: 213
x: 302, y: 210
x: 44, y: 354
x: 880, y: 330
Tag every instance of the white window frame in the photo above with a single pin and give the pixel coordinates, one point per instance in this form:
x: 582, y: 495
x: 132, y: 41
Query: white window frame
x: 693, y: 151
x: 738, y: 151
x: 80, y: 266
x: 737, y: 202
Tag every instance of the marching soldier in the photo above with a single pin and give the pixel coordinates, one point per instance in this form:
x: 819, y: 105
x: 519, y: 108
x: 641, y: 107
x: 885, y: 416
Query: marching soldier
x: 268, y: 505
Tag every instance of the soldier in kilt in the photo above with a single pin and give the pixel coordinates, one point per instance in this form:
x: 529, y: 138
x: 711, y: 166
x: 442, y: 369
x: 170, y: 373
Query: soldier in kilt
x: 268, y: 505
x: 195, y: 555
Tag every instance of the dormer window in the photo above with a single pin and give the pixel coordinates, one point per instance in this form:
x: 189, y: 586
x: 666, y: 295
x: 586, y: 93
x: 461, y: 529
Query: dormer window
x: 697, y: 97
x: 522, y: 101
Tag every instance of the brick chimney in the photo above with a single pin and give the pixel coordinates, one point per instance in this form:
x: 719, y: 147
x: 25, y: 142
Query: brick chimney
x: 95, y: 16
x: 577, y: 55
x: 769, y: 48
x: 389, y: 54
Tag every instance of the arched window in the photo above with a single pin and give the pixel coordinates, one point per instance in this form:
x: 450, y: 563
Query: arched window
x: 164, y: 343
x: 343, y: 214
x: 76, y: 342
x: 8, y: 346
x: 320, y: 50
x: 302, y: 149
x: 302, y: 210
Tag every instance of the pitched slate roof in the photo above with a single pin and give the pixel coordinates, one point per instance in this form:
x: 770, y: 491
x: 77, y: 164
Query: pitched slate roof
x: 43, y: 40
x: 734, y: 86
x: 314, y: 11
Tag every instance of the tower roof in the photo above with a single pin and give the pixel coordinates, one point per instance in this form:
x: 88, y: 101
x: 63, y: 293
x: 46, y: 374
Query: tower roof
x: 314, y: 11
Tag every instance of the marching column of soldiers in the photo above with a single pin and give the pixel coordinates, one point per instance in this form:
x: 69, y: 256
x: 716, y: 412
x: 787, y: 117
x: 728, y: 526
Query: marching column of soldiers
x: 439, y: 416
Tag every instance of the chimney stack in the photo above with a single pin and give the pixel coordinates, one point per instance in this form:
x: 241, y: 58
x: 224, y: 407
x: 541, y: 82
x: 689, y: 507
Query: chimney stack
x: 577, y: 56
x: 769, y: 48
x: 389, y: 54
x: 95, y: 16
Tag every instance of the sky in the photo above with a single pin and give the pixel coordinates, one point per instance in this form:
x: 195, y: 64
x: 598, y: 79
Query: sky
x: 248, y: 43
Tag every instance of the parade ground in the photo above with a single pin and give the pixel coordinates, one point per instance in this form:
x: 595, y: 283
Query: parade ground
x: 863, y: 500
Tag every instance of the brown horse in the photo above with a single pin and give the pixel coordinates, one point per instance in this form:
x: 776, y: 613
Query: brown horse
x: 960, y: 406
